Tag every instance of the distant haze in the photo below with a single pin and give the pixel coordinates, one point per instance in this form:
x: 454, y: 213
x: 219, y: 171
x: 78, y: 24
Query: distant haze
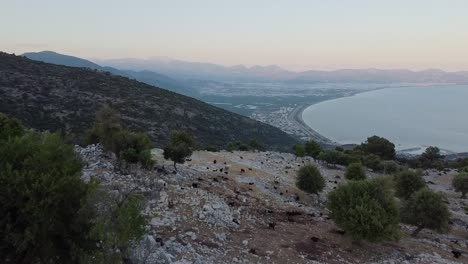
x: 296, y: 35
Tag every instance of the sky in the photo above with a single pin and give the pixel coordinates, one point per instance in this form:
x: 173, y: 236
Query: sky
x: 294, y: 34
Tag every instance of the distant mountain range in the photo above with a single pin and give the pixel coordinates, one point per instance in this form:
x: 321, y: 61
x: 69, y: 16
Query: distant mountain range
x: 207, y: 71
x: 179, y: 76
x: 59, y: 98
x: 146, y: 76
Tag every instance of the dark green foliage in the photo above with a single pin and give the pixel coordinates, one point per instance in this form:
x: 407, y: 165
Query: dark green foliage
x: 355, y: 171
x: 336, y: 157
x: 426, y: 209
x: 254, y: 144
x: 407, y: 183
x: 180, y: 147
x: 460, y: 183
x: 309, y: 179
x: 464, y: 169
x: 366, y: 210
x: 431, y: 158
x: 106, y: 127
x: 338, y: 148
x: 128, y: 146
x: 312, y: 149
x: 119, y: 223
x: 299, y: 150
x: 42, y: 201
x: 9, y: 127
x: 134, y: 148
x: 67, y: 97
x: 212, y: 148
x: 372, y: 161
x: 379, y: 146
x: 389, y: 166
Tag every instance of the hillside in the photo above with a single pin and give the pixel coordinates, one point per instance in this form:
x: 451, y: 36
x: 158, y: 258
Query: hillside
x: 52, y: 97
x: 245, y: 208
x: 149, y: 77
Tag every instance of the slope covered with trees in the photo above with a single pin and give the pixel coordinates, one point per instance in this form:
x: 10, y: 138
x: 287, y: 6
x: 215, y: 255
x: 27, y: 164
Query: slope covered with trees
x: 52, y: 97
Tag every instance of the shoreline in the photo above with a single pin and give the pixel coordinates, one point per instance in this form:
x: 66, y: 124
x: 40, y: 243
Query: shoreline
x: 296, y: 117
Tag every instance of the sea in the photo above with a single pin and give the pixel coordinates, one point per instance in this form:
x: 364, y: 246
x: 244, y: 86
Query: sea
x: 412, y: 117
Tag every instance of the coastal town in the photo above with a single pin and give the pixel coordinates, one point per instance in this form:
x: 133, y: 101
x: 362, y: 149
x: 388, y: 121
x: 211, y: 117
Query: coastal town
x: 289, y: 119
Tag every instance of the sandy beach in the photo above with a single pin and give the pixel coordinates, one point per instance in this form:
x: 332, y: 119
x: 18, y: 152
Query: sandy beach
x: 296, y: 118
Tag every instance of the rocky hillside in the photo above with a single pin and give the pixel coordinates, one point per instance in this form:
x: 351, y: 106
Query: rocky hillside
x: 52, y: 97
x: 243, y: 207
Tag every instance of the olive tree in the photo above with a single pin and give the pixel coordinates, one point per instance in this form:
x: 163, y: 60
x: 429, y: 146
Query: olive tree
x: 460, y: 183
x: 180, y: 146
x: 426, y: 209
x: 408, y: 182
x: 309, y: 179
x: 366, y: 210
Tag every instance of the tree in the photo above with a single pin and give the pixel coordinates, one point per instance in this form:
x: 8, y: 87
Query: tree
x: 431, y: 158
x: 42, y: 201
x: 106, y: 127
x: 460, y: 183
x: 310, y: 180
x: 355, y: 171
x: 119, y: 224
x: 255, y: 145
x: 426, y: 209
x: 312, y: 148
x: 128, y: 146
x: 133, y: 148
x: 180, y: 147
x: 299, y: 151
x: 407, y: 183
x: 365, y: 209
x: 379, y: 146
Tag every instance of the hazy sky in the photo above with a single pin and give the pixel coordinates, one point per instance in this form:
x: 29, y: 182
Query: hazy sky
x: 296, y: 34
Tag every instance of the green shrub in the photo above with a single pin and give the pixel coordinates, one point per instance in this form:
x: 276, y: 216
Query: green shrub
x: 366, y: 210
x: 128, y: 146
x: 133, y: 148
x: 355, y: 171
x: 426, y: 209
x: 309, y: 179
x: 299, y: 150
x: 9, y: 127
x: 431, y: 158
x: 42, y: 201
x: 180, y: 147
x: 407, y: 183
x: 372, y: 161
x: 379, y: 146
x: 336, y: 157
x: 460, y: 183
x: 389, y: 166
x: 211, y: 148
x: 119, y: 224
x: 312, y: 148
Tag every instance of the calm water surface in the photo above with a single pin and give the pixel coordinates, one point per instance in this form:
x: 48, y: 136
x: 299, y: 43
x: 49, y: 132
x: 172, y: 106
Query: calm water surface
x: 410, y: 117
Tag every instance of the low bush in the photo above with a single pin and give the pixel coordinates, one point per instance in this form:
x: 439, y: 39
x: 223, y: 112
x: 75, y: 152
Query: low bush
x: 309, y: 179
x: 426, y: 209
x: 407, y: 183
x: 460, y: 183
x: 355, y: 171
x: 365, y: 210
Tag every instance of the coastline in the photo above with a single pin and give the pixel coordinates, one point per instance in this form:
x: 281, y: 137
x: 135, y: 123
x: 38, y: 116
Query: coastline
x: 296, y: 117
